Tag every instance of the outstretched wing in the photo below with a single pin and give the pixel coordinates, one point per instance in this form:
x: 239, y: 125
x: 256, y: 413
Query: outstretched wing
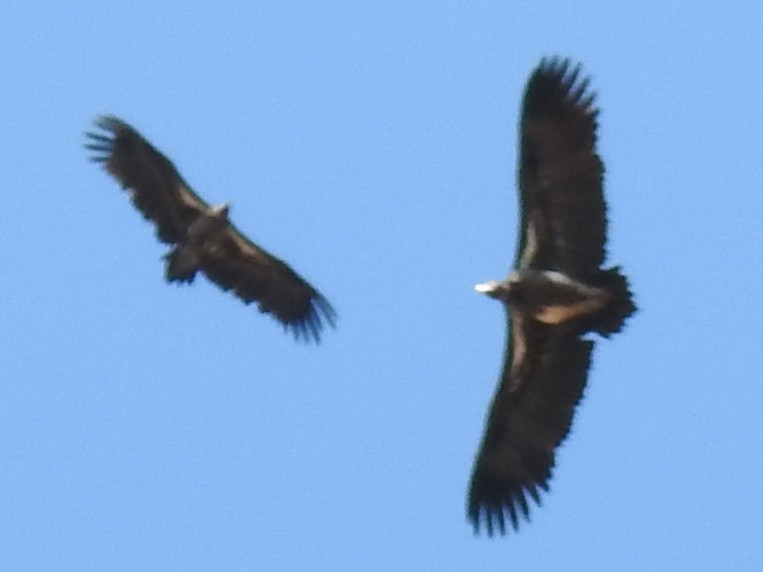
x: 543, y: 379
x: 157, y: 189
x: 560, y: 174
x: 254, y: 275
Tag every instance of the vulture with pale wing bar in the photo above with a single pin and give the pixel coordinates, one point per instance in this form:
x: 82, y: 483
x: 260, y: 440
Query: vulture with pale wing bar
x: 556, y: 294
x: 203, y: 238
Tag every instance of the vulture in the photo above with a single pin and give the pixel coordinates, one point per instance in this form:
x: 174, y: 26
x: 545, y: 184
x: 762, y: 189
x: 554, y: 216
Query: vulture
x: 556, y: 295
x: 202, y: 237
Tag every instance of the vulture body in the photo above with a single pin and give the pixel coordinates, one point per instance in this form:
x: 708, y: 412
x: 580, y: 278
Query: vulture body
x: 556, y: 294
x: 203, y: 238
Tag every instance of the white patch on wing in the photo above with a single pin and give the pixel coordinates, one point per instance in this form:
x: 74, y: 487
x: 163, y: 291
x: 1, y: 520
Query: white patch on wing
x: 561, y: 278
x: 531, y: 244
x: 519, y: 348
x: 558, y: 314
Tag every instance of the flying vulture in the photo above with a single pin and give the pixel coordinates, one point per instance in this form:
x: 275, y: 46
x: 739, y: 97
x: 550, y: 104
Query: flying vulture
x: 202, y: 237
x: 555, y: 295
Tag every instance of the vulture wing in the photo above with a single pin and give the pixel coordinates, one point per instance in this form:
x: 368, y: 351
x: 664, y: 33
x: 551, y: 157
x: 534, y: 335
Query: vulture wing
x: 543, y: 379
x: 254, y: 274
x: 157, y: 189
x: 560, y: 175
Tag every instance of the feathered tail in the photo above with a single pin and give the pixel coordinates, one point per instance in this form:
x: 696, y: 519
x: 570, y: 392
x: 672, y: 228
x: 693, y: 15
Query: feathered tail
x: 610, y: 319
x: 180, y: 265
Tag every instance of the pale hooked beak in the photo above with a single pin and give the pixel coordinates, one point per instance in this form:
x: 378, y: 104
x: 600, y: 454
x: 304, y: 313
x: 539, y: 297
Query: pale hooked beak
x: 486, y: 287
x: 222, y: 210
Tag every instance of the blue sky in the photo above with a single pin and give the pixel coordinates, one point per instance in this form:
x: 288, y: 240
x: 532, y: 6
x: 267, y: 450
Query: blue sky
x: 372, y: 145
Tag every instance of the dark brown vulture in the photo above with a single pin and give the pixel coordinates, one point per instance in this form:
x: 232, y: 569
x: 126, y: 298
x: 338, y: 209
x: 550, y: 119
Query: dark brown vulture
x: 556, y: 294
x: 202, y: 236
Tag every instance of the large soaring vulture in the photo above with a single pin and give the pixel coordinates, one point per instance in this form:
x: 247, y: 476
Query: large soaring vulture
x: 203, y: 238
x: 556, y: 294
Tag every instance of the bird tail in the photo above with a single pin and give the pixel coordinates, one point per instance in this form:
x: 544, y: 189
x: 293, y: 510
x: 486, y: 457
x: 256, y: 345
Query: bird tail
x: 611, y: 318
x: 180, y: 265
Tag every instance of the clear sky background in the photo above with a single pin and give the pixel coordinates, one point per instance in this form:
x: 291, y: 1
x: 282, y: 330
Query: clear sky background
x: 372, y: 145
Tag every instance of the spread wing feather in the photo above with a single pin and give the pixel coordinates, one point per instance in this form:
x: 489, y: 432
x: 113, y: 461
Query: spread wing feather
x: 530, y: 416
x: 156, y: 187
x: 560, y: 174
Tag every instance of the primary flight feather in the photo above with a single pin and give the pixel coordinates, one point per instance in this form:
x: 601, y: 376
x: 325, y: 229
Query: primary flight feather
x: 556, y: 294
x: 203, y: 238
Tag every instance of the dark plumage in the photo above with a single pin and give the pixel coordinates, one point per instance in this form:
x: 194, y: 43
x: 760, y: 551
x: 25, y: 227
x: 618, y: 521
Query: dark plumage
x: 556, y: 294
x: 203, y: 238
